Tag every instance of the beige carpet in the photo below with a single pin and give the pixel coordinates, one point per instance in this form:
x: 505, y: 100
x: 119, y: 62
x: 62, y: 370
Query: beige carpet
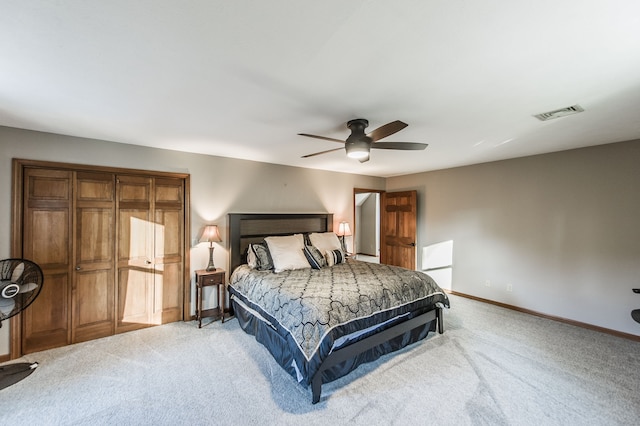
x: 491, y: 367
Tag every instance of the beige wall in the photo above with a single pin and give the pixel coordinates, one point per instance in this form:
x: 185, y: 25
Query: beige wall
x: 218, y: 185
x: 562, y: 229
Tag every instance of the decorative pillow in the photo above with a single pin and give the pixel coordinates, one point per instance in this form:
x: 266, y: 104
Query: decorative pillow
x: 334, y: 257
x: 252, y: 260
x: 287, y: 252
x: 325, y: 241
x: 258, y: 257
x: 315, y: 258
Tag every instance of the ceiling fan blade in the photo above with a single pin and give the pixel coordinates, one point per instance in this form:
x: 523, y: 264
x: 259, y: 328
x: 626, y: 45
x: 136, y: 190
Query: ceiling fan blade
x: 387, y: 130
x: 403, y: 146
x: 321, y: 137
x: 322, y: 152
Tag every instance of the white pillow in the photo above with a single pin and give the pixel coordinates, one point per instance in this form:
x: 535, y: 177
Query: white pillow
x: 325, y: 242
x: 286, y: 252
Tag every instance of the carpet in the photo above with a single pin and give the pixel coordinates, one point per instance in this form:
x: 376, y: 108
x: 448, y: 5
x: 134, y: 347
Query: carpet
x: 492, y: 366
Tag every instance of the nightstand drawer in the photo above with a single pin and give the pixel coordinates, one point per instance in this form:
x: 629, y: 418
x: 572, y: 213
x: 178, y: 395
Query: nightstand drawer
x: 212, y: 279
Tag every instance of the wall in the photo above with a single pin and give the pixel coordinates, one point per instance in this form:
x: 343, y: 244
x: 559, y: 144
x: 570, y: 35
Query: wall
x: 561, y: 229
x: 368, y: 226
x: 218, y: 185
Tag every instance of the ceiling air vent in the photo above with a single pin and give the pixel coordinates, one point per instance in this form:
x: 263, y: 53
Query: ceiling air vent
x: 559, y: 113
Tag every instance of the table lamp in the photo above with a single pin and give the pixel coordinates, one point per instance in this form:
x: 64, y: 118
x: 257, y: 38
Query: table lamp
x: 211, y: 235
x: 344, y: 231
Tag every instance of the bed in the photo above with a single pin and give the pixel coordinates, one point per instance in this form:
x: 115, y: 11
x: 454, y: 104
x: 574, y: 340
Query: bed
x: 320, y: 322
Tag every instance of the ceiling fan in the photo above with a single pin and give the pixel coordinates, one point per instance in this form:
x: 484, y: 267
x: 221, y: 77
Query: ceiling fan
x: 358, y: 144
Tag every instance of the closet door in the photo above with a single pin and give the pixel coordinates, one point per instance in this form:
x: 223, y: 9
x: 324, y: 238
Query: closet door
x: 47, y: 217
x: 135, y: 252
x: 111, y: 245
x: 168, y: 249
x: 93, y: 288
x: 150, y: 251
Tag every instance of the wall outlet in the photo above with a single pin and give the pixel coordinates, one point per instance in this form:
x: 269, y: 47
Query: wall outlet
x: 509, y: 287
x: 487, y: 283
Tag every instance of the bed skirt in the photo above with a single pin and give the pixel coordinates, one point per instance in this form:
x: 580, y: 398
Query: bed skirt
x: 280, y: 351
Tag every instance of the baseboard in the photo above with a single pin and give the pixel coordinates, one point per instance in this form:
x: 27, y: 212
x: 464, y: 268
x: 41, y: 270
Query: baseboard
x: 5, y: 358
x: 551, y: 317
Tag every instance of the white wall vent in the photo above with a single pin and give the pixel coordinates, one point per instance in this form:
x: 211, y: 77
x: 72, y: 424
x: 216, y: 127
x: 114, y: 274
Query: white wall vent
x: 562, y: 112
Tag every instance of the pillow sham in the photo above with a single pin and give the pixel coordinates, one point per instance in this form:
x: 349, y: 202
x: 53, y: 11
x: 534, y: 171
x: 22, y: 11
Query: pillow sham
x: 334, y: 257
x: 287, y: 252
x: 258, y: 257
x: 315, y: 258
x: 325, y: 241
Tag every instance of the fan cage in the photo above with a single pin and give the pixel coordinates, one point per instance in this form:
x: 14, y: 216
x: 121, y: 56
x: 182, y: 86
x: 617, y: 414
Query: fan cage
x: 32, y: 273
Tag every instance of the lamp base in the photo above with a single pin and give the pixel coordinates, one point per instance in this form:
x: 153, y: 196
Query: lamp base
x: 211, y: 266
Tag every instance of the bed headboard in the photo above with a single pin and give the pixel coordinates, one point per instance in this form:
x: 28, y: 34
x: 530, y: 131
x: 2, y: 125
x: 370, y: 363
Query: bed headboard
x: 248, y: 228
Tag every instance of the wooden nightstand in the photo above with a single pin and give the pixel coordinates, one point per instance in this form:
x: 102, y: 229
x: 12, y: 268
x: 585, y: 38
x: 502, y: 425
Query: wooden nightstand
x: 206, y: 278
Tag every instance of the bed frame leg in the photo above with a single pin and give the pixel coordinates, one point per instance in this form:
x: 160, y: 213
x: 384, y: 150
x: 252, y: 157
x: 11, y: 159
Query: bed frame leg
x: 440, y: 323
x: 316, y: 387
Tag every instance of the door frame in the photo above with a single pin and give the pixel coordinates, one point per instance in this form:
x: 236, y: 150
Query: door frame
x: 353, y: 198
x: 17, y: 199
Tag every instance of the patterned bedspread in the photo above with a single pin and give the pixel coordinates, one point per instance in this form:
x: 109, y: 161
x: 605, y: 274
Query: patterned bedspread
x: 316, y: 305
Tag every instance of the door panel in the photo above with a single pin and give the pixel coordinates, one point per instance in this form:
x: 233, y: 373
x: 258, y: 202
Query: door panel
x: 167, y: 303
x: 49, y: 231
x: 93, y: 289
x: 168, y: 234
x: 45, y: 322
x: 93, y: 305
x: 135, y: 237
x: 46, y: 241
x: 133, y: 299
x: 398, y: 245
x: 168, y: 250
x: 135, y: 253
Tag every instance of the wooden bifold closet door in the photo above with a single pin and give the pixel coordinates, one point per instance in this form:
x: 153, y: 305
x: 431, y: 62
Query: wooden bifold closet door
x: 112, y: 249
x: 150, y: 235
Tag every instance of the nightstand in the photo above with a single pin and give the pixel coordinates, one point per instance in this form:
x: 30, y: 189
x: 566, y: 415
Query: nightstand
x: 206, y: 278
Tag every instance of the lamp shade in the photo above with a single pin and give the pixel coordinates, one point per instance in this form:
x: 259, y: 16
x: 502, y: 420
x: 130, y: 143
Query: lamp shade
x: 210, y: 234
x: 344, y: 230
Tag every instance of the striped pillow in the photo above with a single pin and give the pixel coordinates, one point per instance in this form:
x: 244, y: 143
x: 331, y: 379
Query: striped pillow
x: 259, y: 257
x: 334, y: 257
x: 315, y: 258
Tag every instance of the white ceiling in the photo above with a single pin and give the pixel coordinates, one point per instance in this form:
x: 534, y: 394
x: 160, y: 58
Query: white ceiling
x: 241, y: 78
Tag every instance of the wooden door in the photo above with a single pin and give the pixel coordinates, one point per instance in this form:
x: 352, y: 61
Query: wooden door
x: 47, y: 218
x: 112, y: 247
x: 398, y: 236
x: 134, y: 252
x: 93, y: 290
x: 168, y: 203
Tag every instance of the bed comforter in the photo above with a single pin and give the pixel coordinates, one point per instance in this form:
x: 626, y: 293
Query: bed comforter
x: 316, y: 311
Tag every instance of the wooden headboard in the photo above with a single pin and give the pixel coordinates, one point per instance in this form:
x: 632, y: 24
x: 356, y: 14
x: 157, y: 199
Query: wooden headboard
x: 248, y: 228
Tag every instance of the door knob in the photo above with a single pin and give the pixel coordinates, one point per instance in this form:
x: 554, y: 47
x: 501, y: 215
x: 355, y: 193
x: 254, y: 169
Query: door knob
x: 148, y: 262
x: 77, y: 268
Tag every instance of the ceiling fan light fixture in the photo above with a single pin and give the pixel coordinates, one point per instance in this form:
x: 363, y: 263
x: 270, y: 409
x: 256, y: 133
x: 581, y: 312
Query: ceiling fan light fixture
x: 357, y: 149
